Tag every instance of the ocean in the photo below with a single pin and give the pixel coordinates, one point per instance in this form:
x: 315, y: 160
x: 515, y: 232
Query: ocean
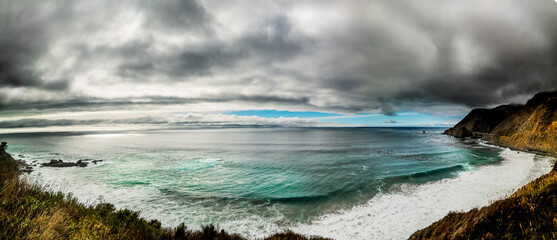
x: 343, y: 183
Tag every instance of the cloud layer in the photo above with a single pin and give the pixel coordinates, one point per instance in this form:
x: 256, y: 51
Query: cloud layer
x: 333, y: 56
x: 190, y: 120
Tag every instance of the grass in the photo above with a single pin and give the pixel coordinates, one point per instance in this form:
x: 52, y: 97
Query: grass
x: 27, y: 211
x: 530, y: 213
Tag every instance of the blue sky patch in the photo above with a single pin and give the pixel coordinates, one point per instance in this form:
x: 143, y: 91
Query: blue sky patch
x: 402, y: 119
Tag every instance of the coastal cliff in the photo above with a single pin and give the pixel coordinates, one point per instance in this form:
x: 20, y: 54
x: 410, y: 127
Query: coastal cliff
x: 481, y: 120
x: 529, y: 127
x: 530, y: 213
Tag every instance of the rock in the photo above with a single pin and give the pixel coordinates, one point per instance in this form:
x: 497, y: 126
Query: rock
x: 60, y: 163
x: 482, y: 120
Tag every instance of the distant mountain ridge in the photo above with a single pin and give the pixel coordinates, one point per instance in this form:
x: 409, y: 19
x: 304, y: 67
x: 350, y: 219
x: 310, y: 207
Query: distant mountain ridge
x: 532, y: 126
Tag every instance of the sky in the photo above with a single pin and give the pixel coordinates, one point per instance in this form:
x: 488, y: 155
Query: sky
x: 104, y: 64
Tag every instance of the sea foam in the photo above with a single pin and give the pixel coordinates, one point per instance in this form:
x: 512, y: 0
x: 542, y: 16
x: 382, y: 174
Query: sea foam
x: 392, y: 215
x: 397, y: 215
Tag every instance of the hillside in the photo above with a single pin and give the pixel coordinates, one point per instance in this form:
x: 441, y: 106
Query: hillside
x: 29, y: 212
x: 533, y: 127
x: 528, y: 127
x: 530, y: 213
x: 482, y: 121
x: 527, y: 214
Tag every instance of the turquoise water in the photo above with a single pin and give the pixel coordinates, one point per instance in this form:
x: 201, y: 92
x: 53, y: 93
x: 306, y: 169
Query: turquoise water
x: 255, y: 181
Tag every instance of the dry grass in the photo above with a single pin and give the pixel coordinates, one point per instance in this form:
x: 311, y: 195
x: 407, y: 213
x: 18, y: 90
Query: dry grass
x: 530, y: 213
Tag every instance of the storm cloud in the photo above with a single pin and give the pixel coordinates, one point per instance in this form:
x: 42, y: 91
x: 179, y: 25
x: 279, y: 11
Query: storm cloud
x: 330, y: 56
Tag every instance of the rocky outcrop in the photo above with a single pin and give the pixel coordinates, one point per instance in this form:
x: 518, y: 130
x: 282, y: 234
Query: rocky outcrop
x: 532, y: 126
x: 481, y: 121
x: 60, y: 163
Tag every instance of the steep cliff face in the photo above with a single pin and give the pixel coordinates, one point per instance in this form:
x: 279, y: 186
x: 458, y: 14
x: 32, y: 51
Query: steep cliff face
x: 529, y: 127
x: 480, y: 121
x: 534, y: 127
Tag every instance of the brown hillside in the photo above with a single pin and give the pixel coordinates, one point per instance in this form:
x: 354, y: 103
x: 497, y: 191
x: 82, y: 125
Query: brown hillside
x: 529, y: 127
x: 482, y: 120
x: 533, y: 127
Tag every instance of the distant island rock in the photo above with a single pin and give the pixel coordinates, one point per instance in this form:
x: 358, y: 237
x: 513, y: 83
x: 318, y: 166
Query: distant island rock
x: 529, y: 127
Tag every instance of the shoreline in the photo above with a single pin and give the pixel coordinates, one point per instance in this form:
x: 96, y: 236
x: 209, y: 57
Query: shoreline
x: 529, y: 212
x: 510, y: 217
x: 298, y: 228
x: 452, y: 189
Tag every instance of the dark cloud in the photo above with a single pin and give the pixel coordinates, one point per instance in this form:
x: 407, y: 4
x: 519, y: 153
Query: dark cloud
x: 33, y: 122
x: 386, y: 108
x: 362, y: 56
x: 24, y: 38
x: 36, y: 122
x: 176, y: 15
x: 112, y: 104
x: 518, y: 44
x: 178, y: 121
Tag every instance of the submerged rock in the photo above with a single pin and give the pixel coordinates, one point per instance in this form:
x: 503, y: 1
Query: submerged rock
x: 26, y: 168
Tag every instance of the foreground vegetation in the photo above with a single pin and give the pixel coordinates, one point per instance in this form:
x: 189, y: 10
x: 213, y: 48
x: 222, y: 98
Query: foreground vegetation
x: 530, y: 213
x: 27, y: 211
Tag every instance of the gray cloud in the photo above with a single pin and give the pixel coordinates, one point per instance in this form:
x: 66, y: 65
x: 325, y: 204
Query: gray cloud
x: 177, y: 120
x: 362, y: 56
x: 24, y: 37
x: 111, y: 104
x: 176, y: 15
x: 34, y: 122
